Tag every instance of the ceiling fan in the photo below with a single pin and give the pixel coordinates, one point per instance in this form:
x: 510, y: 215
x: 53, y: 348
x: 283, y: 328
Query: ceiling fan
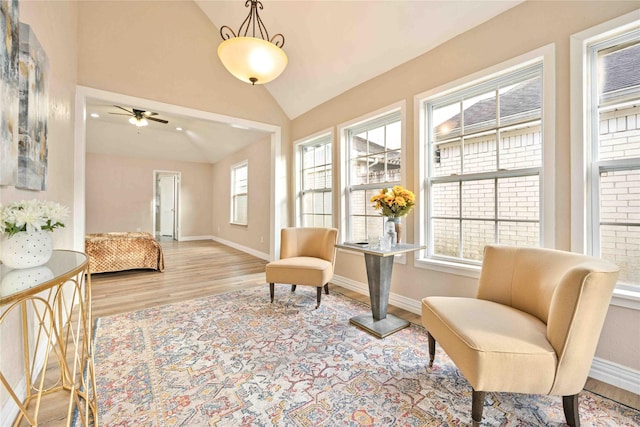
x: 140, y: 117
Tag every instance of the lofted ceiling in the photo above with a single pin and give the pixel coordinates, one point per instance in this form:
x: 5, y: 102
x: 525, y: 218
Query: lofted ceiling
x: 332, y: 47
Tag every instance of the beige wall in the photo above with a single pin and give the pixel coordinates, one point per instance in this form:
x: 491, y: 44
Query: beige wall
x: 54, y: 23
x: 255, y: 234
x: 175, y: 63
x: 119, y: 194
x: 524, y: 28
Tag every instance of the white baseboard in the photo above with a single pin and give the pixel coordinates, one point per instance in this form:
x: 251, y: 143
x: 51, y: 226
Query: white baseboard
x: 617, y: 375
x: 601, y: 369
x: 394, y: 299
x: 190, y: 238
x: 246, y: 249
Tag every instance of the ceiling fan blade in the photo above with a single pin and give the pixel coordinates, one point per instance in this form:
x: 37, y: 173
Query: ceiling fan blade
x: 130, y: 112
x: 120, y: 114
x: 149, y: 113
x: 158, y: 120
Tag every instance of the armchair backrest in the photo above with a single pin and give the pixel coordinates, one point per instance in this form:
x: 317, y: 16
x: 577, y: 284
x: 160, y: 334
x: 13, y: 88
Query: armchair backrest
x: 309, y: 241
x: 569, y: 292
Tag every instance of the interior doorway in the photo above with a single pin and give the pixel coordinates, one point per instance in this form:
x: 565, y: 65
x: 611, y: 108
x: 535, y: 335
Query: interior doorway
x: 166, y: 205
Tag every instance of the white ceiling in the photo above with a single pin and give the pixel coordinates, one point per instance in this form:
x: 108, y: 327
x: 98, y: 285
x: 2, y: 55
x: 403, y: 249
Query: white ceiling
x: 332, y: 47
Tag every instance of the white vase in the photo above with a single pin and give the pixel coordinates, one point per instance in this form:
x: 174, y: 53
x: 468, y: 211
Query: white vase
x: 26, y: 250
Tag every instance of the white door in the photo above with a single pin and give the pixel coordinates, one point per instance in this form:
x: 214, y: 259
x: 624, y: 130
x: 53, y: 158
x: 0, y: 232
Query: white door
x: 167, y: 205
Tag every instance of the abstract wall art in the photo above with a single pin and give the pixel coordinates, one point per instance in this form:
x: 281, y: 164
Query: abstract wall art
x: 33, y: 113
x: 9, y: 54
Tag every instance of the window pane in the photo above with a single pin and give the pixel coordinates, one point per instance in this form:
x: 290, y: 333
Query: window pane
x: 446, y: 199
x: 327, y: 202
x: 319, y: 156
x: 480, y: 153
x: 327, y: 221
x: 620, y: 196
x: 446, y: 237
x: 479, y: 112
x: 376, y: 140
x: 369, y: 206
x: 394, y: 166
x: 318, y: 220
x: 359, y: 202
x: 318, y: 203
x: 521, y: 146
x: 475, y: 235
x: 307, y: 157
x: 519, y: 233
x: 448, y: 155
x: 619, y: 133
x: 394, y: 136
x: 308, y: 179
x: 521, y: 101
x: 519, y: 198
x: 445, y: 122
x: 240, y: 209
x: 621, y: 245
x: 359, y: 171
x: 376, y: 168
x: 358, y: 145
x: 375, y: 227
x: 478, y: 199
x: 358, y: 229
x: 307, y: 203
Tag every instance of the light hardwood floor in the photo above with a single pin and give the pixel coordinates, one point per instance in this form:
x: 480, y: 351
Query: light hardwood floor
x: 202, y: 268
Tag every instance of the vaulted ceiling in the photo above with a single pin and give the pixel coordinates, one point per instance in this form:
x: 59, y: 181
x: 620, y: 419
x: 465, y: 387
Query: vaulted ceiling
x: 332, y: 47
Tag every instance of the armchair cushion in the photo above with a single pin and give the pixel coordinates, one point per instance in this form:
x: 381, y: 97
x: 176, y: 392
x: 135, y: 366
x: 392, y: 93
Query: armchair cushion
x: 494, y: 344
x: 302, y: 270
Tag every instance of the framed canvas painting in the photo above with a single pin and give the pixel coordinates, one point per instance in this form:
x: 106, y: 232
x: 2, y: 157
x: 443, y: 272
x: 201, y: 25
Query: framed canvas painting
x: 33, y: 112
x: 9, y: 54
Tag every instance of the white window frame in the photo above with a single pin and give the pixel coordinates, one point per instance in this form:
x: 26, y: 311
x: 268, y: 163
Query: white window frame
x: 343, y: 131
x: 233, y: 215
x: 321, y: 137
x: 546, y: 55
x: 583, y: 221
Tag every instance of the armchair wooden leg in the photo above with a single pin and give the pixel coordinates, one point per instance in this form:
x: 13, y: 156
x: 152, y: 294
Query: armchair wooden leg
x: 326, y: 288
x: 271, y: 291
x: 432, y: 348
x: 293, y: 288
x: 319, y: 296
x: 477, y: 405
x: 571, y: 413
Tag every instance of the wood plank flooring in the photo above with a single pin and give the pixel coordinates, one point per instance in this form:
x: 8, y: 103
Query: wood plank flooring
x: 201, y: 268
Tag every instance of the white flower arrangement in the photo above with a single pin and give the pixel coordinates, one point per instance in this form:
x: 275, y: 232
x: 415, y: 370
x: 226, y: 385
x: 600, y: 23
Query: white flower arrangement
x: 31, y: 216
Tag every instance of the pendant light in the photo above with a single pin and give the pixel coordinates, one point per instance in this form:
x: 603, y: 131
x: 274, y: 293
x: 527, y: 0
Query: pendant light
x: 253, y: 58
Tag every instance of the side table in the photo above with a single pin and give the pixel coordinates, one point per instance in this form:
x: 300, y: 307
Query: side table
x: 379, y: 268
x: 54, y: 305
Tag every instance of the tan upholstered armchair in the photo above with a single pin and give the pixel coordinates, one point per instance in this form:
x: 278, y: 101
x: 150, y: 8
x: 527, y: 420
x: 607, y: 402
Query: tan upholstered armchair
x: 307, y: 257
x: 533, y: 327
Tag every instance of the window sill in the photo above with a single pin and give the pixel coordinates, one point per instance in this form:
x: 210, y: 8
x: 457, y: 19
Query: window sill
x: 239, y: 223
x: 626, y: 296
x: 450, y: 267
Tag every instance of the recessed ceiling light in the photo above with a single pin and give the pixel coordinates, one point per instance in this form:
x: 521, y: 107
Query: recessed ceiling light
x: 95, y: 115
x: 178, y: 128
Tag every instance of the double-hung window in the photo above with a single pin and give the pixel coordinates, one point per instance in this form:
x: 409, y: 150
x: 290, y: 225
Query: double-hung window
x: 239, y: 192
x: 314, y: 168
x: 613, y: 155
x: 484, y: 163
x: 373, y: 160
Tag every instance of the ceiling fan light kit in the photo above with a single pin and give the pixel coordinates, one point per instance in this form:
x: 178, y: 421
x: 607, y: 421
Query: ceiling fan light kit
x: 254, y: 58
x: 138, y: 122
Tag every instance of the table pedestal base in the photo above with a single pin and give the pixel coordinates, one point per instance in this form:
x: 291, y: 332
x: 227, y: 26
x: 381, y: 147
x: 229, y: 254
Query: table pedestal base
x: 380, y: 328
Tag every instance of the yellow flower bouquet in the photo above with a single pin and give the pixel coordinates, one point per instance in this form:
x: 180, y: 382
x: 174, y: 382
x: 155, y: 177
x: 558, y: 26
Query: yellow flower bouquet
x: 394, y: 202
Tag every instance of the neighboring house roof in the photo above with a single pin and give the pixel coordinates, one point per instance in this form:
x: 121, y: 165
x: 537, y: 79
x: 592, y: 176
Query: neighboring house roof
x: 621, y: 75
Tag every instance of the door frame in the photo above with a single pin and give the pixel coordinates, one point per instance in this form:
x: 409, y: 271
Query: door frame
x: 278, y: 201
x: 176, y: 200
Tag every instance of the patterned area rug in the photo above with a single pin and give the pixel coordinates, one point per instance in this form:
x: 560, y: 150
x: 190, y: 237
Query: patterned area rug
x: 237, y: 360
